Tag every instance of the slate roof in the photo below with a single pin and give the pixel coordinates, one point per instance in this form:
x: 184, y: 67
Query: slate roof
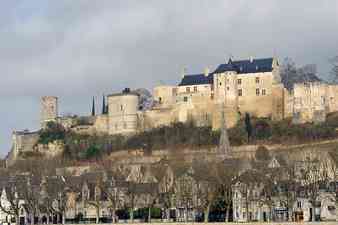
x: 240, y: 66
x: 196, y: 79
x: 246, y: 66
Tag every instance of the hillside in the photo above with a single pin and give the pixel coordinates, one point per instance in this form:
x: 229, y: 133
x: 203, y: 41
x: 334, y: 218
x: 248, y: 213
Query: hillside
x: 181, y: 136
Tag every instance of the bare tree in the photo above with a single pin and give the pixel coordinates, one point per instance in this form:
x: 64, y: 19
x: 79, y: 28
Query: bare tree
x: 131, y: 198
x: 248, y: 181
x: 184, y: 189
x: 152, y: 189
x: 207, y: 187
x: 97, y: 200
x: 31, y: 197
x: 314, y: 176
x: 291, y: 186
x: 12, y: 203
x: 334, y: 71
x: 165, y: 177
x: 114, y: 193
x: 59, y: 202
x: 226, y: 173
x: 133, y: 179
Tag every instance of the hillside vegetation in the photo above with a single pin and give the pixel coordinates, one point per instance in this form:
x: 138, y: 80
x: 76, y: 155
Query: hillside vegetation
x: 187, y: 135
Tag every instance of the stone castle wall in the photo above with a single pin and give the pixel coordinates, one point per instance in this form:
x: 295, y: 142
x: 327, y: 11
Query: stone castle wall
x: 101, y: 124
x: 51, y: 150
x: 313, y: 101
x: 256, y: 91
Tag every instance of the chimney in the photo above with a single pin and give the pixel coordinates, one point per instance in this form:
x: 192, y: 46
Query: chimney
x: 206, y: 71
x: 251, y: 59
x: 184, y: 71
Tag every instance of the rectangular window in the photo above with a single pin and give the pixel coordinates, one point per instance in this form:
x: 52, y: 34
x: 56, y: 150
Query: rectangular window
x: 187, y: 89
x: 263, y: 92
x: 240, y: 92
x: 257, y: 91
x: 212, y: 96
x: 239, y: 81
x: 185, y: 99
x: 257, y: 80
x: 195, y: 89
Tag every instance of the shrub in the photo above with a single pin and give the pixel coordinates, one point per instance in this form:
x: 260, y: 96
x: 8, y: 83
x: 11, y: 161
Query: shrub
x: 332, y: 119
x: 93, y: 151
x: 52, y: 132
x: 262, y: 154
x: 142, y: 213
x: 262, y: 129
x: 238, y: 134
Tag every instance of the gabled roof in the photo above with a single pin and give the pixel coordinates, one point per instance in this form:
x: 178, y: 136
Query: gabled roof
x: 246, y: 66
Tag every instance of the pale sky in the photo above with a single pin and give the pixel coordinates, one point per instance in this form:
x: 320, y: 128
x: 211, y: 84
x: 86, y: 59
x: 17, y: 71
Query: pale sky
x: 77, y: 49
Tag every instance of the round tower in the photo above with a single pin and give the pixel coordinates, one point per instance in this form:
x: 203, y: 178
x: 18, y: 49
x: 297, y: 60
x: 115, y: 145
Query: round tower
x: 49, y: 109
x: 122, y: 112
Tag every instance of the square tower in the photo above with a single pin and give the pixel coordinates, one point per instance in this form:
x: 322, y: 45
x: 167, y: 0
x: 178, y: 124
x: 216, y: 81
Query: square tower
x: 49, y: 109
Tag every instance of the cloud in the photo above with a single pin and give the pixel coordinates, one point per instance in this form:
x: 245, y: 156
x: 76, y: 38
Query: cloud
x: 75, y: 49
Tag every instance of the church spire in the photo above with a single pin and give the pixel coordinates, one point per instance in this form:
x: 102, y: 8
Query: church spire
x: 93, y: 107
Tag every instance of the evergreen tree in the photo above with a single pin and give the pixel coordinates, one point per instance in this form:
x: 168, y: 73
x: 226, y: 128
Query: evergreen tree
x: 248, y: 125
x: 104, y: 108
x: 93, y: 107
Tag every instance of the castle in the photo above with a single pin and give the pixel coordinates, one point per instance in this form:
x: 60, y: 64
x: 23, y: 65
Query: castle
x: 234, y: 88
